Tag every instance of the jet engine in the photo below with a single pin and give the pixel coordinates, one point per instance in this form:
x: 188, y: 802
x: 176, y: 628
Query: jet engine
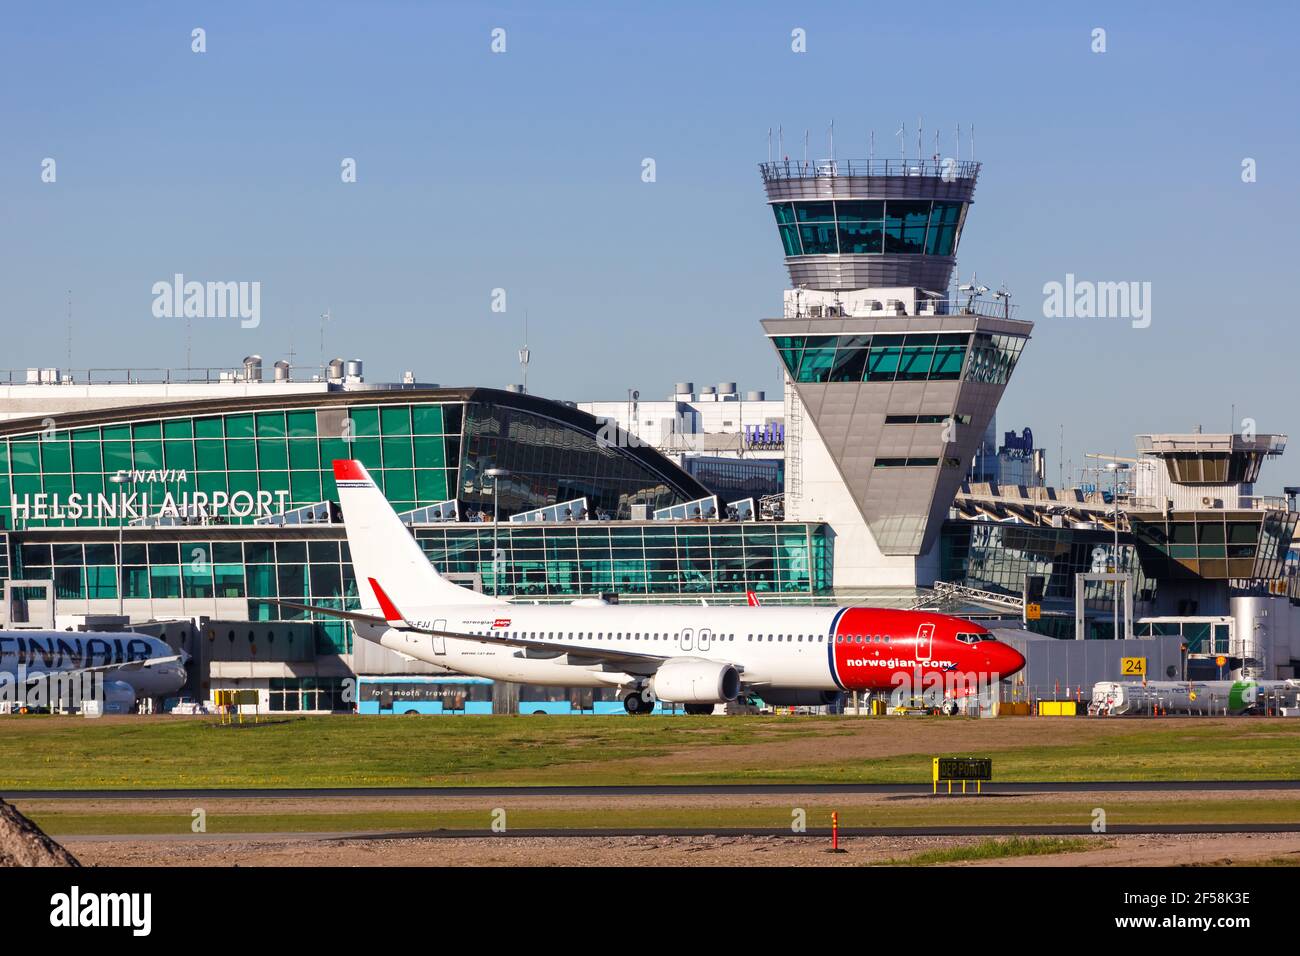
x: 688, y: 680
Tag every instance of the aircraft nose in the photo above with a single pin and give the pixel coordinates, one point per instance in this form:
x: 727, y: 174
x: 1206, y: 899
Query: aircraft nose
x: 1011, y: 661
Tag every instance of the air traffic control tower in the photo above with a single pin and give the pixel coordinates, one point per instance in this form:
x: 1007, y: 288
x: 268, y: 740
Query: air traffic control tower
x: 892, y: 375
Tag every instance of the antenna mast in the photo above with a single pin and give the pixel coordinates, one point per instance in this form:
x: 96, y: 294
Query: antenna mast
x: 524, y: 354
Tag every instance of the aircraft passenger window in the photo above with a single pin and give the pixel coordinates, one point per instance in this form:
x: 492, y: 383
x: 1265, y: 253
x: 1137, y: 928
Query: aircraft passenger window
x: 800, y: 638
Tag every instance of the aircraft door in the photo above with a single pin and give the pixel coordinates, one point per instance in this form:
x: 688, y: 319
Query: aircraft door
x: 924, y: 641
x: 703, y: 639
x: 687, y: 639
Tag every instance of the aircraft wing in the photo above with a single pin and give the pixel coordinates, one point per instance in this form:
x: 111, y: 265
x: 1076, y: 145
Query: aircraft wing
x: 106, y: 668
x: 631, y: 660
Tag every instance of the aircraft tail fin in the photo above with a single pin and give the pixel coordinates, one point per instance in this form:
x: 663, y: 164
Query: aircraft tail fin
x: 383, y: 549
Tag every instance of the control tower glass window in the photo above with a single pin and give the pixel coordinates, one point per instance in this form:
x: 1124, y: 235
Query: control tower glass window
x: 869, y: 226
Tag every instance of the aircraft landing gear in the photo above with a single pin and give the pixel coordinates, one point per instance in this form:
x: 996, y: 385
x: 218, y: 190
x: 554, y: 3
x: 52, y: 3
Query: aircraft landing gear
x: 699, y: 710
x: 949, y: 707
x: 637, y: 702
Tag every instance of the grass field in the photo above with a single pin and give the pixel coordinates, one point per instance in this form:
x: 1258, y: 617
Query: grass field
x: 167, y: 752
x: 995, y: 850
x: 985, y: 812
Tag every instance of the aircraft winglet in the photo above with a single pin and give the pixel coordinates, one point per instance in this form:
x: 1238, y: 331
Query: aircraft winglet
x: 391, y: 614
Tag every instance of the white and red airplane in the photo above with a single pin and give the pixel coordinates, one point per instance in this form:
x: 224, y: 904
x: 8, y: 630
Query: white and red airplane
x: 698, y: 656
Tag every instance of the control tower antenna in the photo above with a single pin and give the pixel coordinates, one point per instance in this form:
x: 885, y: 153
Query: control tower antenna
x: 871, y: 148
x: 918, y: 138
x: 832, y: 136
x: 959, y: 142
x: 324, y: 317
x: 902, y: 140
x: 769, y: 144
x: 805, y: 147
x: 524, y: 354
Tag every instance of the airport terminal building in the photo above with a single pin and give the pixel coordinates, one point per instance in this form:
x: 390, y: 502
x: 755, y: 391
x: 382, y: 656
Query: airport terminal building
x: 191, y: 502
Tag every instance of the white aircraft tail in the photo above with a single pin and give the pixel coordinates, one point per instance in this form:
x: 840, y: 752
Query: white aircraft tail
x: 383, y: 548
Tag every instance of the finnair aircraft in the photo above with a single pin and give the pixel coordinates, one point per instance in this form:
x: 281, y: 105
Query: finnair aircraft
x: 693, y: 655
x: 145, y: 665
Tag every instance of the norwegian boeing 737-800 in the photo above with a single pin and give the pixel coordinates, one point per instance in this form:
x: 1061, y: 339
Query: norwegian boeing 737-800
x: 693, y: 655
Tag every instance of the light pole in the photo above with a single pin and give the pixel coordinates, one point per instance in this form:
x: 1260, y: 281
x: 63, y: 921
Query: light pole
x: 1115, y: 467
x: 496, y: 474
x: 120, y: 478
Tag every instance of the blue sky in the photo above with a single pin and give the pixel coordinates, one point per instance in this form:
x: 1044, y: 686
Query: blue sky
x: 522, y: 171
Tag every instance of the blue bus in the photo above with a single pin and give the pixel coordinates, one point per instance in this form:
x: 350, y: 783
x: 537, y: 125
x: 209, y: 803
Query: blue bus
x: 453, y: 695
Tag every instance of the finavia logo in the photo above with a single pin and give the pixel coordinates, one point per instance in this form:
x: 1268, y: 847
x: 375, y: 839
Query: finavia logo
x: 74, y: 909
x: 209, y: 300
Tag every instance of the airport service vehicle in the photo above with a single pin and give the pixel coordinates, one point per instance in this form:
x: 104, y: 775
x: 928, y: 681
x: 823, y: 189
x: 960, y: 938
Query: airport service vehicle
x: 143, y: 665
x: 698, y: 656
x: 1117, y: 698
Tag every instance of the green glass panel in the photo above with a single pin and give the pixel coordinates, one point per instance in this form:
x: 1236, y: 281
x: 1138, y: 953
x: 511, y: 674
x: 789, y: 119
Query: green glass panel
x: 241, y: 454
x: 819, y: 239
x: 211, y: 481
x: 86, y: 434
x: 274, y: 481
x: 399, y: 485
x: 165, y: 580
x: 239, y: 426
x: 427, y: 419
x: 60, y: 485
x: 397, y: 453
x: 790, y: 240
x: 784, y: 212
x: 882, y: 364
x: 208, y: 428
x: 301, y: 423
x: 304, y: 453
x: 88, y: 483
x: 147, y: 431
x: 242, y: 481
x: 25, y: 456
x: 815, y: 211
x: 859, y: 209
x: 430, y: 453
x: 849, y: 365
x: 86, y: 457
x: 178, y: 428
x: 56, y: 456
x: 948, y: 362
x: 305, y: 487
x: 431, y: 485
x: 395, y: 420
x: 210, y: 455
x: 273, y: 454
x: 179, y: 455
x: 117, y: 432
x: 365, y: 422
x: 117, y: 456
x: 270, y: 424
x: 147, y: 455
x: 816, y: 365
x: 862, y: 238
x: 333, y: 449
x: 366, y: 451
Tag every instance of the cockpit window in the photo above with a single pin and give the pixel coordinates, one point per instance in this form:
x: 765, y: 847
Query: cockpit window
x: 975, y: 638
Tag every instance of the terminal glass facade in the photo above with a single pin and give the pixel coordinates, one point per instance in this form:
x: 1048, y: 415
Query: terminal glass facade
x: 537, y: 560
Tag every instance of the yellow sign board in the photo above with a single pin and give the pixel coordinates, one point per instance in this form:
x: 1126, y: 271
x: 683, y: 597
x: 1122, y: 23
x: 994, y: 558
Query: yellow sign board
x: 1133, y: 666
x: 1033, y: 612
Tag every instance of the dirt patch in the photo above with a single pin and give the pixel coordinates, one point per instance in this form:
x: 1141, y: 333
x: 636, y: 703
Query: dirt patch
x: 704, y: 850
x: 22, y: 843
